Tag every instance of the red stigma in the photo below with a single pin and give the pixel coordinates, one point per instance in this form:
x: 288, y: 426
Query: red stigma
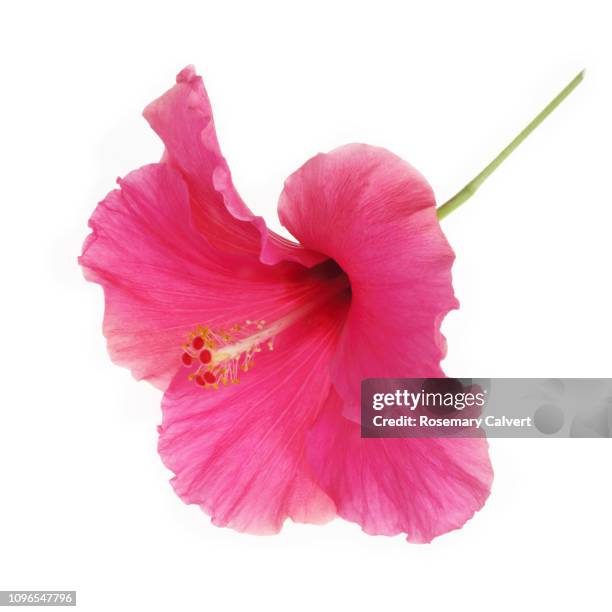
x: 205, y: 356
x: 197, y: 343
x: 186, y: 359
x: 199, y: 380
x: 209, y: 377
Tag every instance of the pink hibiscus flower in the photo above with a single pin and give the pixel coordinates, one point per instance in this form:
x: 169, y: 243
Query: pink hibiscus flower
x: 200, y: 296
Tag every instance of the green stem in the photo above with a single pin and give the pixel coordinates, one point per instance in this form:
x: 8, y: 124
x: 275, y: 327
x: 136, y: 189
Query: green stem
x: 470, y: 189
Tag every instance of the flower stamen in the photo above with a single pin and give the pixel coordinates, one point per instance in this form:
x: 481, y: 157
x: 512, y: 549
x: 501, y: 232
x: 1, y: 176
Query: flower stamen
x: 221, y: 354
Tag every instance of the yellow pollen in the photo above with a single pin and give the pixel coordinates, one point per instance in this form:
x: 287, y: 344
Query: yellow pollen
x: 219, y: 355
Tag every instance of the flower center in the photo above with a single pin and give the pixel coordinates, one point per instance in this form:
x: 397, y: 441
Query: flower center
x: 220, y: 355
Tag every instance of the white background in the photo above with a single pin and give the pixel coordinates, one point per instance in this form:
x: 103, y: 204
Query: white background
x: 85, y: 502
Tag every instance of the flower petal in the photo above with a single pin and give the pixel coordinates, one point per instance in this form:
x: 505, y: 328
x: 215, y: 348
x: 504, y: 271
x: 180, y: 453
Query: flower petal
x: 183, y: 119
x: 238, y: 452
x: 420, y: 487
x: 162, y: 278
x: 375, y: 216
